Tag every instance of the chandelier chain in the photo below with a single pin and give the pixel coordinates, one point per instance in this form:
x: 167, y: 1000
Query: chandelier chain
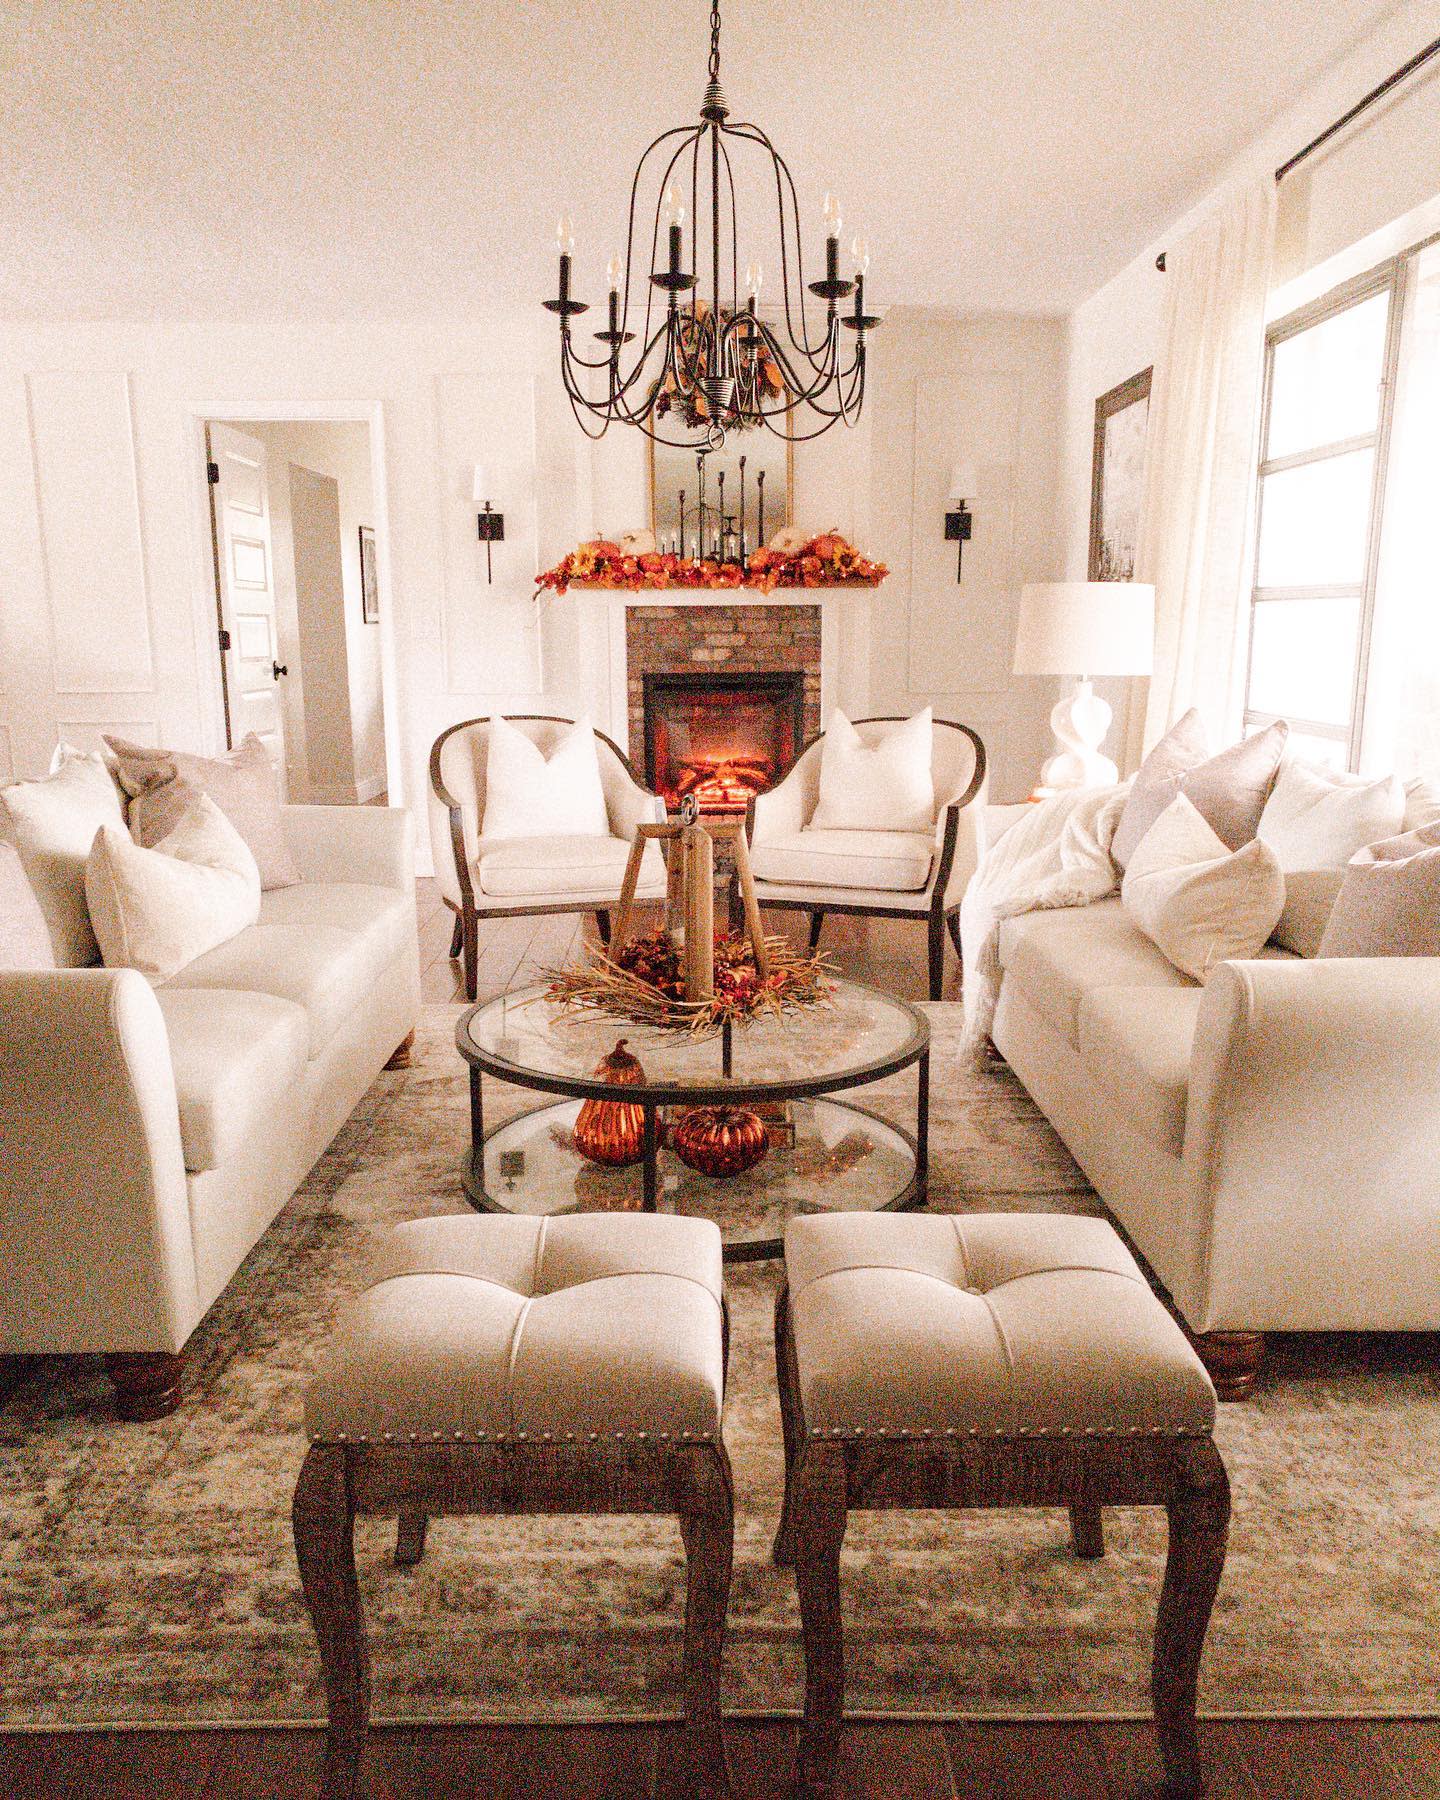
x: 714, y: 42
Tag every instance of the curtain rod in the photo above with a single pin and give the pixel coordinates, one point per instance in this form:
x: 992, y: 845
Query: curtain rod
x: 1418, y: 61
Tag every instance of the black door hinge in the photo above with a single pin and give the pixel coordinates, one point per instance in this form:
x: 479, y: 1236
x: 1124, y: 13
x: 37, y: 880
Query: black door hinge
x: 224, y: 638
x: 212, y: 472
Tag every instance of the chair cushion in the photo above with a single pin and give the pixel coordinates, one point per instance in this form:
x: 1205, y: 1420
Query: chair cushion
x: 519, y: 868
x: 322, y: 945
x: 507, y: 1327
x: 237, y: 1058
x: 996, y: 1323
x: 896, y: 860
x: 1136, y: 1043
x: 1056, y: 957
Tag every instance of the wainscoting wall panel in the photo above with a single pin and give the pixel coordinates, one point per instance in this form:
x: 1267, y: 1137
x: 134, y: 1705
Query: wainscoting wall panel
x: 86, y: 734
x: 83, y: 447
x: 7, y: 755
x: 490, y: 630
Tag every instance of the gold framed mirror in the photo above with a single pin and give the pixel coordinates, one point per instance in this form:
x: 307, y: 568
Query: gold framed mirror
x: 675, y: 483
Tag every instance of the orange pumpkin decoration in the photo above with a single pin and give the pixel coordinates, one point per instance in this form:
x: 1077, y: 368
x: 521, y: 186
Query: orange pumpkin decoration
x: 720, y: 1141
x: 612, y: 1132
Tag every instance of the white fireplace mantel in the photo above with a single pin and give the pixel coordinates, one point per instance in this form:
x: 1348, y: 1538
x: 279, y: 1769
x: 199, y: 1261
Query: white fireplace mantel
x: 844, y: 643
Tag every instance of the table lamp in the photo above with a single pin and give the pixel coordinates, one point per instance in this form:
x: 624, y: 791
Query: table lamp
x: 1084, y: 628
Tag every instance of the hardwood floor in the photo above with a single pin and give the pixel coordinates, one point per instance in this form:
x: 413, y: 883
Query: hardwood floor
x: 1348, y: 1759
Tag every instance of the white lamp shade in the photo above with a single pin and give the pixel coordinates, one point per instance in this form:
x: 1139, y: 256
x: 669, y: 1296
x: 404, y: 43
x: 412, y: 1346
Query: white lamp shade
x: 480, y: 486
x: 963, y: 485
x: 1086, y: 628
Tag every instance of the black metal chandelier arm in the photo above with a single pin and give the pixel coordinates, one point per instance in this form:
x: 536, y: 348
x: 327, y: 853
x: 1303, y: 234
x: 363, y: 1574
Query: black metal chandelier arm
x: 803, y: 391
x: 692, y: 134
x: 844, y: 414
x: 734, y: 230
x: 785, y: 181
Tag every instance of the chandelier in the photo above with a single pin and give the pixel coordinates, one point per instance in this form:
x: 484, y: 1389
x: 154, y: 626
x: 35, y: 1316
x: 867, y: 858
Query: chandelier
x: 704, y: 362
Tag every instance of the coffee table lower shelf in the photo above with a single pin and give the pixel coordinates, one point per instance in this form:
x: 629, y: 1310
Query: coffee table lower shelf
x: 843, y: 1158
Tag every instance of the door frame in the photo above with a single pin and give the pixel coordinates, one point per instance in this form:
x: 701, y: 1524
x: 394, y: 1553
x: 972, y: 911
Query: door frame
x: 207, y: 645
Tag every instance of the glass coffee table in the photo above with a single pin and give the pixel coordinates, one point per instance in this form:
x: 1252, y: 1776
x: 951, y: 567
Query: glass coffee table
x: 826, y: 1154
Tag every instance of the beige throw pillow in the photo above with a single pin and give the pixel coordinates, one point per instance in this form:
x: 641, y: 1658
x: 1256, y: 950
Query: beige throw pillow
x: 157, y: 910
x: 161, y: 785
x: 531, y: 795
x: 883, y: 785
x: 1389, y: 901
x: 1199, y: 902
x: 24, y: 938
x: 1315, y: 820
x: 1157, y: 782
x: 52, y: 824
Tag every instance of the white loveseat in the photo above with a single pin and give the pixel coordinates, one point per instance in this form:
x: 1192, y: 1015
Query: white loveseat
x: 148, y: 1136
x: 1270, y: 1142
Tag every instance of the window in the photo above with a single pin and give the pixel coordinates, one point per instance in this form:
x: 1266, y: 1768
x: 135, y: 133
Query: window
x: 1326, y: 425
x: 1345, y: 615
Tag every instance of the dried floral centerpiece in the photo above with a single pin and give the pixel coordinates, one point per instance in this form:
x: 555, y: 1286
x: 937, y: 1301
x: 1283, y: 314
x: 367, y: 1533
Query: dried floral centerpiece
x: 826, y: 560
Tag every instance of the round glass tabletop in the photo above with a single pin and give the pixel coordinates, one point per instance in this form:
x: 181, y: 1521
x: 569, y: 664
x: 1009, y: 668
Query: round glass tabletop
x: 856, y: 1035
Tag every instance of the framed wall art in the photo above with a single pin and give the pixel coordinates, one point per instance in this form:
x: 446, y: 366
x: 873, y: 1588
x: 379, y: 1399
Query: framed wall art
x: 1117, y: 478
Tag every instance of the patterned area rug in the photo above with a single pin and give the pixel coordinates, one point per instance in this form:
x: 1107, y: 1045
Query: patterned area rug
x: 147, y: 1573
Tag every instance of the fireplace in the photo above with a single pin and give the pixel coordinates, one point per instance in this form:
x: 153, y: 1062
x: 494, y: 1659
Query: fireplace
x: 722, y: 738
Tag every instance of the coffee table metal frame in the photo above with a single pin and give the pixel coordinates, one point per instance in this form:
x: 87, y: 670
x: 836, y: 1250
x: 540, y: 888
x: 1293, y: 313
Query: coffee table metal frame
x: 652, y: 1095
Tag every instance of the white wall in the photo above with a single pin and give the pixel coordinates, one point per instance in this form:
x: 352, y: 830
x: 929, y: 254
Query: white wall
x: 340, y: 450
x: 1386, y: 165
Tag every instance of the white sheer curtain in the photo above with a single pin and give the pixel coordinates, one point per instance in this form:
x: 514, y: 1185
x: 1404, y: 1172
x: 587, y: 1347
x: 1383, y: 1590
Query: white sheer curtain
x: 1196, y: 516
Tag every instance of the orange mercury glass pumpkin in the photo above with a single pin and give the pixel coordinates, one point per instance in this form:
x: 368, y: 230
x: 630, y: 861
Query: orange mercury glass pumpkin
x: 612, y: 1132
x: 720, y: 1141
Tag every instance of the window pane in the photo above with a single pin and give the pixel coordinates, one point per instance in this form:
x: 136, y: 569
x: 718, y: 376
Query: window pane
x: 1314, y: 523
x: 1326, y: 381
x: 1331, y: 752
x: 1302, y: 659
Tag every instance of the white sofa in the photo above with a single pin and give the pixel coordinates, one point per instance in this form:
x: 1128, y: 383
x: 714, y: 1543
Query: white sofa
x: 148, y: 1136
x: 1270, y: 1142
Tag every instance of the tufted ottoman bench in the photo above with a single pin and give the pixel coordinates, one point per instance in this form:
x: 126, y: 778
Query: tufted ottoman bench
x: 991, y: 1360
x: 511, y: 1365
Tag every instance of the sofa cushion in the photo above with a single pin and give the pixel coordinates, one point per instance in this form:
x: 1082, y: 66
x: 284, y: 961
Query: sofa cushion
x: 895, y: 860
x: 521, y: 867
x: 1056, y: 957
x: 1136, y: 1045
x: 321, y: 945
x: 237, y: 1058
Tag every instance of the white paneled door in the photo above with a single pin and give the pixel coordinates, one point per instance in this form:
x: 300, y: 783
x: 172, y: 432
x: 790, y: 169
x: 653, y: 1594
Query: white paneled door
x: 255, y: 676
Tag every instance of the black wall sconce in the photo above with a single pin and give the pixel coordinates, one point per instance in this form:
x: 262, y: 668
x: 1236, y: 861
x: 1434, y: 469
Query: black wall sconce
x: 957, y: 518
x: 489, y: 523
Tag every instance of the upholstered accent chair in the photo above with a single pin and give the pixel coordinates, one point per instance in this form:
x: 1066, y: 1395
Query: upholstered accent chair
x: 518, y: 876
x: 879, y: 874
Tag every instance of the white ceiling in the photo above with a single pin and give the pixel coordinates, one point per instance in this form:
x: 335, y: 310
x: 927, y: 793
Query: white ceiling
x: 338, y: 158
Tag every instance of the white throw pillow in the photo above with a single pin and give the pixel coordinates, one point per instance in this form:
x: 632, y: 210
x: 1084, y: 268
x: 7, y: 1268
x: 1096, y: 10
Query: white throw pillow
x: 885, y: 785
x: 1315, y: 820
x: 157, y: 910
x: 52, y: 824
x: 529, y: 794
x: 1199, y: 902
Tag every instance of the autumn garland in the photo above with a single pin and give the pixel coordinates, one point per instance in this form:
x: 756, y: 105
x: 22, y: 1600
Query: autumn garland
x: 825, y: 561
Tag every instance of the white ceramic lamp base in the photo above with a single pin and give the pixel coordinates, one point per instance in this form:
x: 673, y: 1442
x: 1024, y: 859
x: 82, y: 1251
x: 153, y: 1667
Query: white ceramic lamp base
x: 1080, y: 722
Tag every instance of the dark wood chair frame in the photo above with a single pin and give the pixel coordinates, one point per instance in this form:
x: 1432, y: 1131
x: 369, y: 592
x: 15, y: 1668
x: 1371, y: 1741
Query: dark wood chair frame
x: 938, y: 918
x: 579, y: 1473
x: 465, y: 939
x: 825, y: 1477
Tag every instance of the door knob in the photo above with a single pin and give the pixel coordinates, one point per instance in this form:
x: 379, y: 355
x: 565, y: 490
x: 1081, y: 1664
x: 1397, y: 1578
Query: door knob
x: 279, y: 669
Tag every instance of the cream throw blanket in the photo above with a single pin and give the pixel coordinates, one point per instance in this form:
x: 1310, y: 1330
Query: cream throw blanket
x: 1056, y: 854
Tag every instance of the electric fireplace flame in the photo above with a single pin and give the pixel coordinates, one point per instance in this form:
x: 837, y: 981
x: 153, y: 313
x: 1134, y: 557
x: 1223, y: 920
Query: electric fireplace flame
x: 721, y: 739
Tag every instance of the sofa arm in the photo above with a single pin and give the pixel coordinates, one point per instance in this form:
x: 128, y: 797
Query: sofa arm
x: 1312, y: 1147
x: 369, y: 844
x: 98, y: 1253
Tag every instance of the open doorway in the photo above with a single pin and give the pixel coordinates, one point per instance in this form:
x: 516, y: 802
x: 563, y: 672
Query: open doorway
x: 293, y: 520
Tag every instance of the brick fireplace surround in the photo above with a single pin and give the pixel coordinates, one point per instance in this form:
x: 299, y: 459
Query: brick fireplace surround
x: 720, y: 640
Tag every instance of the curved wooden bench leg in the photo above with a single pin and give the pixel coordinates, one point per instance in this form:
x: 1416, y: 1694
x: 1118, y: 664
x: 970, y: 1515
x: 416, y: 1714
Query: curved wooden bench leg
x: 324, y: 1524
x: 410, y: 1539
x: 1087, y: 1530
x: 704, y: 1500
x: 791, y: 1428
x: 1199, y: 1525
x: 820, y: 1517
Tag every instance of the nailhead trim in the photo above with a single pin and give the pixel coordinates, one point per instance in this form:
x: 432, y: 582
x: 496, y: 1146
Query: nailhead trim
x: 883, y: 1434
x: 641, y: 1438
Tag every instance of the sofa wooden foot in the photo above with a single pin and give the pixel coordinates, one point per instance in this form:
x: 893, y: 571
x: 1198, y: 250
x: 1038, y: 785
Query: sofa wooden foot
x: 400, y: 1055
x: 147, y: 1383
x: 1234, y: 1360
